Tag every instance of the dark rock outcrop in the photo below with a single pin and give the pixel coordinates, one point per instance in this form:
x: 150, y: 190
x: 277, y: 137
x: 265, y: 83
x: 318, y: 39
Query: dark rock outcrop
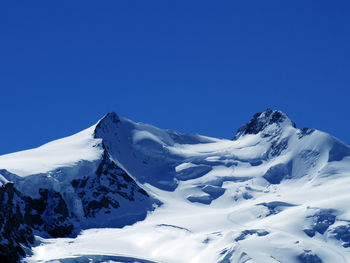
x: 106, y: 195
x: 48, y: 214
x: 261, y: 120
x: 342, y: 233
x: 308, y: 257
x: 14, y: 231
x: 248, y: 232
x: 108, y: 188
x: 321, y: 221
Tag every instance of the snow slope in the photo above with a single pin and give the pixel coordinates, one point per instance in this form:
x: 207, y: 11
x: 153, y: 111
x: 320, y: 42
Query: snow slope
x: 59, y: 153
x: 274, y: 193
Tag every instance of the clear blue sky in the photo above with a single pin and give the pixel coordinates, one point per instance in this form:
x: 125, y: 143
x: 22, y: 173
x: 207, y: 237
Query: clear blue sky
x: 193, y: 66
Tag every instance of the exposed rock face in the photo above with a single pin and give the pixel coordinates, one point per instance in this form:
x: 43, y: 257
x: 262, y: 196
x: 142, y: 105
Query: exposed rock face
x: 245, y: 233
x: 321, y: 221
x: 308, y: 257
x: 14, y: 232
x: 21, y: 216
x: 111, y: 190
x: 109, y: 197
x: 48, y: 214
x: 262, y: 120
x: 342, y: 233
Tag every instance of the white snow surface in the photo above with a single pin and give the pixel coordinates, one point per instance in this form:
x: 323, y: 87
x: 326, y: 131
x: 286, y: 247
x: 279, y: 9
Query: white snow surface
x: 220, y: 201
x: 60, y: 153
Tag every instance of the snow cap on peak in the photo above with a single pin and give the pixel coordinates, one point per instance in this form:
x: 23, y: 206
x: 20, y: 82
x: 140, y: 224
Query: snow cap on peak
x: 262, y: 120
x: 110, y: 119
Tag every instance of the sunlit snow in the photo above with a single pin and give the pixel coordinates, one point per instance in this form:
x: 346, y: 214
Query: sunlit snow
x: 253, y: 199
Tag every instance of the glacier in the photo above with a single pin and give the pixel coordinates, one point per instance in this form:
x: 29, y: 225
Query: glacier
x: 122, y: 191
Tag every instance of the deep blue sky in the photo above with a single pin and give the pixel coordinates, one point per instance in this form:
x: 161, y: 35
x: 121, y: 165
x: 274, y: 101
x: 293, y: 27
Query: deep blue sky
x: 192, y: 66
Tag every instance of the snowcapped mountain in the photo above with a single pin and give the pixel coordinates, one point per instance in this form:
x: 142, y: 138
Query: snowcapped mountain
x: 122, y: 191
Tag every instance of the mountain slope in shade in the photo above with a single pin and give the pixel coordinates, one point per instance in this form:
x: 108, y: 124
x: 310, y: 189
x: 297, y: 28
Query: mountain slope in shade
x: 274, y: 193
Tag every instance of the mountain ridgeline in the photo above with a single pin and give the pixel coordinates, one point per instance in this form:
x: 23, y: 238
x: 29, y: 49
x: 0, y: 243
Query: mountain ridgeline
x: 269, y: 183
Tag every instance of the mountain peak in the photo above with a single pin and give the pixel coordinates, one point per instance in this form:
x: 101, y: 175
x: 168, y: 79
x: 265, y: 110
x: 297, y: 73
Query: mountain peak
x: 110, y: 116
x: 117, y: 172
x: 103, y: 124
x: 262, y: 120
